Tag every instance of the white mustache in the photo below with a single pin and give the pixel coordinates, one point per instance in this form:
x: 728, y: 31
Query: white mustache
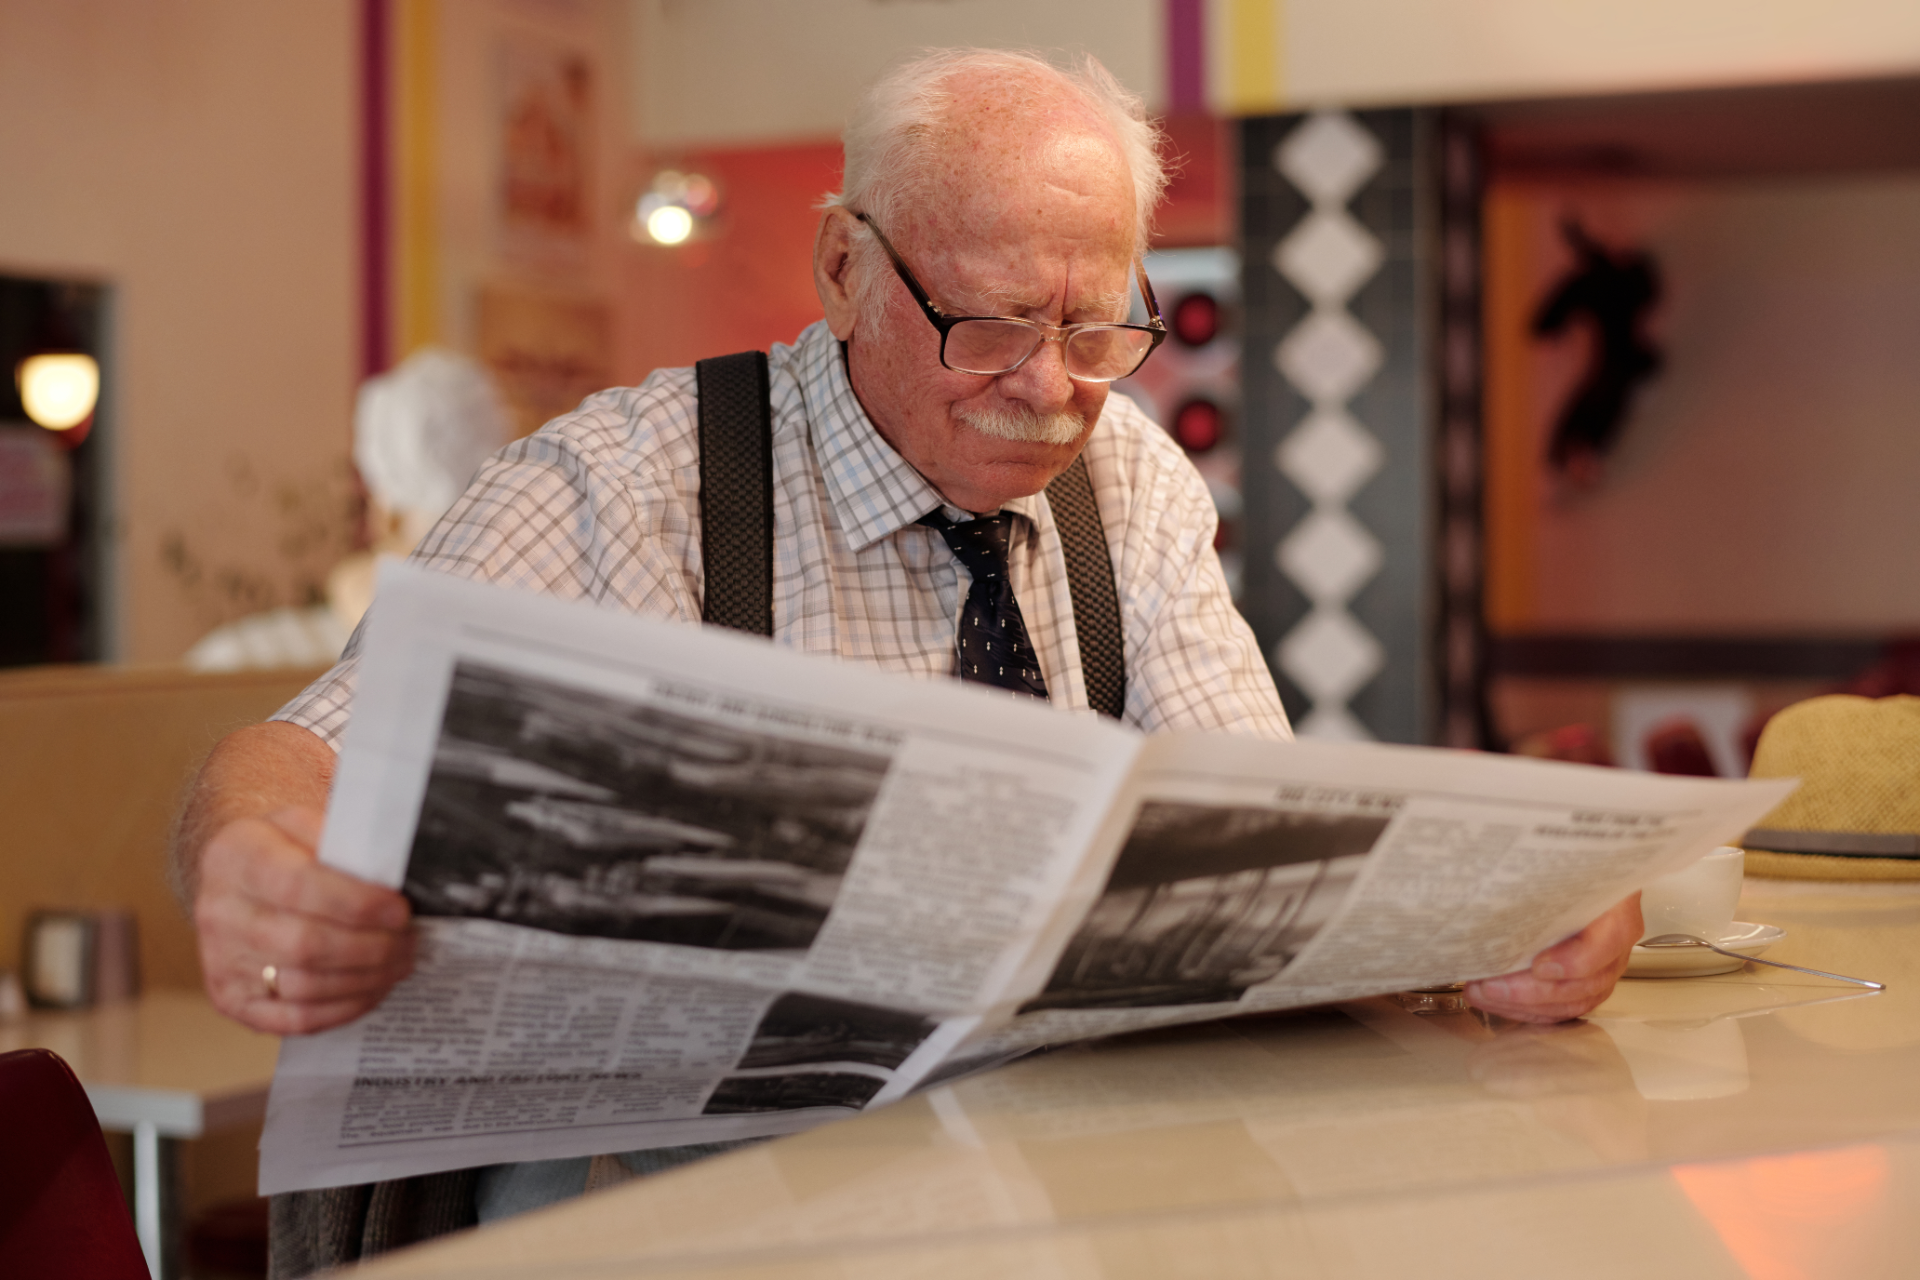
x: 1024, y: 425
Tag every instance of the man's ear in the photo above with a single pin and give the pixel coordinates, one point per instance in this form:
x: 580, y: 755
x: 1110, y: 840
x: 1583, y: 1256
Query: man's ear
x: 833, y: 271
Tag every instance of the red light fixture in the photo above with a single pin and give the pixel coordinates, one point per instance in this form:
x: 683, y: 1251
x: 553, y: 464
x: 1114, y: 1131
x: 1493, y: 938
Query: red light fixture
x: 1196, y: 319
x: 1198, y: 425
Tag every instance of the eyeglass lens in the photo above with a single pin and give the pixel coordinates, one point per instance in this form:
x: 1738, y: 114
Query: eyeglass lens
x: 1097, y: 354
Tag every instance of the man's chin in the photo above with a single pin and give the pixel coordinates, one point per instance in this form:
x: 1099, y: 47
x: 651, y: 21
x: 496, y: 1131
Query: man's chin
x: 1002, y: 470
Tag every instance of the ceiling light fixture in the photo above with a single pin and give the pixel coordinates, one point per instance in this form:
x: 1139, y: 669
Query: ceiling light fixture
x: 669, y: 224
x: 675, y: 208
x: 59, y: 389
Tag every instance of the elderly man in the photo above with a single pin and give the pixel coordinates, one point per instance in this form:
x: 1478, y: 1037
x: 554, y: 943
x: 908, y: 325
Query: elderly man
x: 976, y: 274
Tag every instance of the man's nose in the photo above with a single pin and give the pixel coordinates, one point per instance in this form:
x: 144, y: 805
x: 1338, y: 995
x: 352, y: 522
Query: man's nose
x: 1041, y: 383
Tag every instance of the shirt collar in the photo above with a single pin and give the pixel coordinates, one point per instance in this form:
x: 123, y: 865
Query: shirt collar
x: 874, y: 491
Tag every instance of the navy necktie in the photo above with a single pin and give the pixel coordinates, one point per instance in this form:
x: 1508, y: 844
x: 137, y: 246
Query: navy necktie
x: 992, y: 646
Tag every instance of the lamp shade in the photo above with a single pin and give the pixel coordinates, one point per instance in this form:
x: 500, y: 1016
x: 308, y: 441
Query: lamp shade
x: 59, y: 389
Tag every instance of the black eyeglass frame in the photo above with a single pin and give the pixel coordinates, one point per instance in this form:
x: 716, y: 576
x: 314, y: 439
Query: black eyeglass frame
x: 1155, y: 327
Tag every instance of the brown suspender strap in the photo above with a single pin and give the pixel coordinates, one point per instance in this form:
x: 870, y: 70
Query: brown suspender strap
x: 736, y: 526
x: 736, y: 491
x: 1096, y: 605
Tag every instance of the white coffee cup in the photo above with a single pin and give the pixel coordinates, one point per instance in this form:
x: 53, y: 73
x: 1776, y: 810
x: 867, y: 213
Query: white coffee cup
x: 1699, y: 899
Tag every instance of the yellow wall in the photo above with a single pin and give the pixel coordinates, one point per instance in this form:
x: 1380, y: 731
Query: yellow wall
x: 97, y: 761
x: 747, y: 72
x: 735, y: 72
x: 202, y: 158
x: 1513, y: 428
x: 198, y: 156
x: 1271, y: 55
x: 450, y: 244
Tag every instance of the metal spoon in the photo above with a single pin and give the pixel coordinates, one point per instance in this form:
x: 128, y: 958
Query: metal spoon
x: 1689, y: 940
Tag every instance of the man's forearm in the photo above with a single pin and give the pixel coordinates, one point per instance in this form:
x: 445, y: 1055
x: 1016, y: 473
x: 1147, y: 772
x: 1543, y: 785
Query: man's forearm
x: 252, y: 772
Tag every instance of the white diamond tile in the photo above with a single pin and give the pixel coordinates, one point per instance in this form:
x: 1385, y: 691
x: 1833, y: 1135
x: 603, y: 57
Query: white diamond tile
x: 1329, y: 156
x: 1329, y: 556
x: 1328, y: 255
x: 1333, y: 724
x: 1329, y: 456
x: 1329, y: 356
x: 1330, y: 655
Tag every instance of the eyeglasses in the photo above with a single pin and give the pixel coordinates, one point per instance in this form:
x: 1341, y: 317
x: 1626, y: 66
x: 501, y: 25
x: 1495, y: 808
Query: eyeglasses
x: 992, y: 345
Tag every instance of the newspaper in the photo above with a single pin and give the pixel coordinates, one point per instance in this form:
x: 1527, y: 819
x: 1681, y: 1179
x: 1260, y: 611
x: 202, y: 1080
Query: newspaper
x: 675, y: 885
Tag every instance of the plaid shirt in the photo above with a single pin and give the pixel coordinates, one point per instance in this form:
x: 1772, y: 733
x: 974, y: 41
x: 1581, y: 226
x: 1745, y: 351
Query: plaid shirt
x: 604, y: 504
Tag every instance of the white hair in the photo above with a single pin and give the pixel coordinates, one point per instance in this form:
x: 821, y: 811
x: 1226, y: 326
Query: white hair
x: 889, y: 140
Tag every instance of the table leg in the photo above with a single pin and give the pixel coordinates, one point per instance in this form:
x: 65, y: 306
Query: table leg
x: 156, y: 1200
x: 146, y: 1192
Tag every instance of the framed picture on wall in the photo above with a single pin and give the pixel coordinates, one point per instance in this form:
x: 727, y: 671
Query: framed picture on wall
x: 545, y: 147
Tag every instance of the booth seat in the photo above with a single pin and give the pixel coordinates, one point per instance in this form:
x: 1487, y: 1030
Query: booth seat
x: 93, y: 763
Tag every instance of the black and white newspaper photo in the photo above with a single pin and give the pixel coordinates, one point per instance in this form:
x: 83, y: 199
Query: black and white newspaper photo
x: 557, y: 808
x: 673, y: 885
x: 1205, y: 901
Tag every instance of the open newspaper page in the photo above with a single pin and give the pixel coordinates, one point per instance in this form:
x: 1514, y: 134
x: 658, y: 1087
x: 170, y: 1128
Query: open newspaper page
x: 672, y: 885
x: 1257, y: 876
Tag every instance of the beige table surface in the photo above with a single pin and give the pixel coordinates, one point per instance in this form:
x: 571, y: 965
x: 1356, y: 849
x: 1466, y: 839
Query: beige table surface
x: 166, y: 1058
x: 1744, y: 1125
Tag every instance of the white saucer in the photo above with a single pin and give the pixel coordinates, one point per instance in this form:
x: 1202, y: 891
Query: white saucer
x: 1698, y: 962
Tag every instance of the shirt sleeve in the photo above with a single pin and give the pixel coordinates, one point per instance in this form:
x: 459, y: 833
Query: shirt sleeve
x: 1193, y: 661
x: 600, y: 504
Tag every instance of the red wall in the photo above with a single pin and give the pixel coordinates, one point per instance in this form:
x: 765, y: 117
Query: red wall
x: 1198, y: 210
x: 750, y: 282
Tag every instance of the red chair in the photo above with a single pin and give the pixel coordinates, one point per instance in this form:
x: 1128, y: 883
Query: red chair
x: 62, y: 1212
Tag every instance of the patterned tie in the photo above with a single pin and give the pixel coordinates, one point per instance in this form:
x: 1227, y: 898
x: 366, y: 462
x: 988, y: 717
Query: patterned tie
x: 993, y: 645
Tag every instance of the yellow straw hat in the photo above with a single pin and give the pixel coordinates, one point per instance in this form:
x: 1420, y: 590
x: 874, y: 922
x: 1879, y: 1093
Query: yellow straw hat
x: 1856, y: 814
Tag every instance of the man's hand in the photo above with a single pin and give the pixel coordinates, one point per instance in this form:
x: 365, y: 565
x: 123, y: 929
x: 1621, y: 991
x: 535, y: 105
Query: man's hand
x: 1569, y: 979
x: 337, y: 944
x: 245, y: 863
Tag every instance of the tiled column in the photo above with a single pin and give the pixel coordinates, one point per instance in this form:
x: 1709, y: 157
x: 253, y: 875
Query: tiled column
x: 1336, y: 417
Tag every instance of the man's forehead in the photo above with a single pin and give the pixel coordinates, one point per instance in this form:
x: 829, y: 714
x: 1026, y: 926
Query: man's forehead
x: 1020, y: 236
x: 1082, y: 295
x: 1027, y: 204
x: 1015, y: 268
x: 1001, y: 138
x: 1019, y: 163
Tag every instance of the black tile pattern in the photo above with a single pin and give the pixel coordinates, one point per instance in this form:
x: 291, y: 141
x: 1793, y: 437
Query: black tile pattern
x: 1397, y: 505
